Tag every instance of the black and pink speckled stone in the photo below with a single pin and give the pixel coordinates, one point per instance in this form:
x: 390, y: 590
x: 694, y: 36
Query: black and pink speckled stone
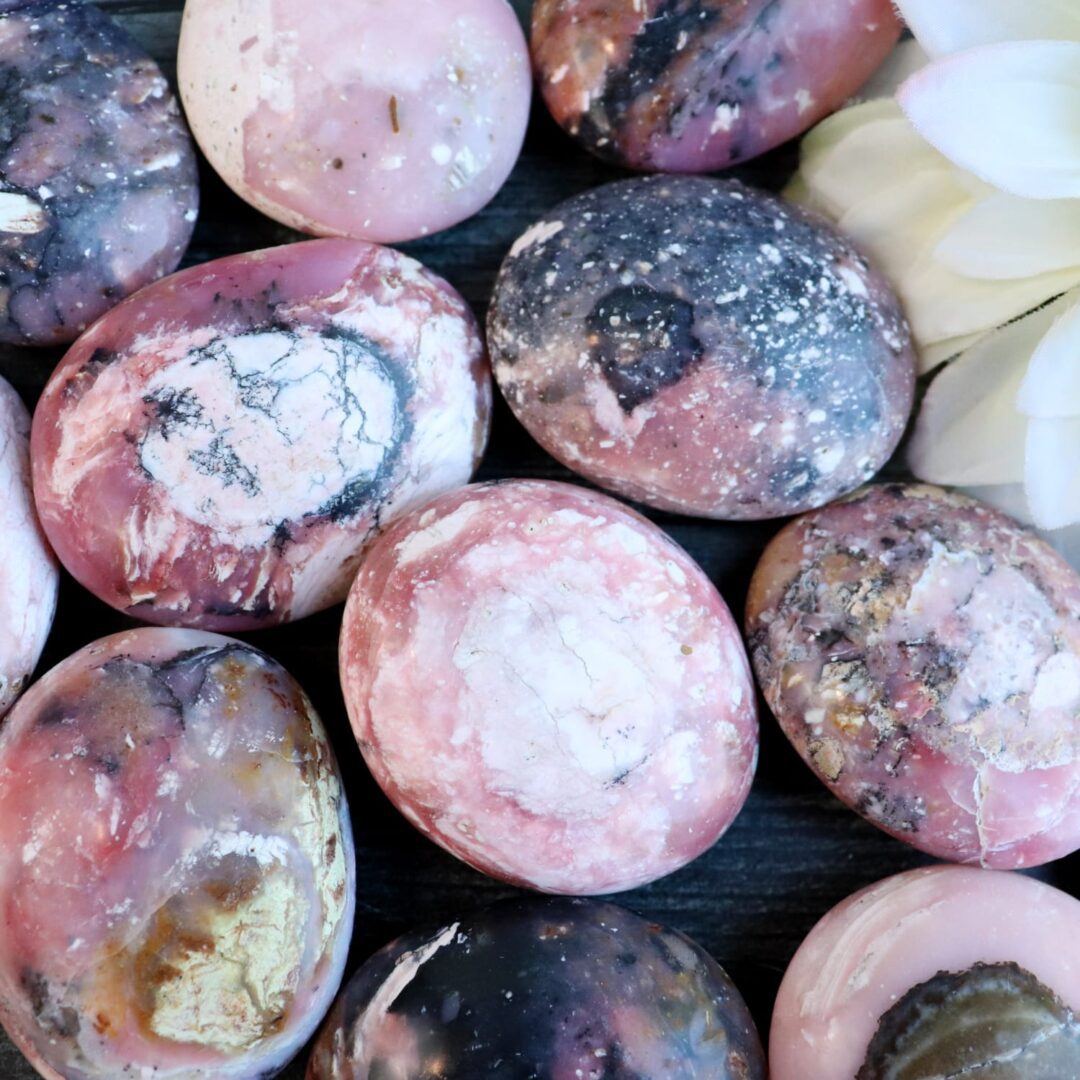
x: 98, y: 183
x: 702, y: 347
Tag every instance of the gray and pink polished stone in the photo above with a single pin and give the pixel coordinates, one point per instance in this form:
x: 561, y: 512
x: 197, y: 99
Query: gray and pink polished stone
x: 549, y: 687
x: 922, y: 652
x: 373, y: 119
x: 177, y: 874
x: 698, y: 85
x: 702, y: 347
x: 28, y: 571
x: 945, y: 972
x: 98, y: 183
x: 566, y: 989
x: 217, y: 450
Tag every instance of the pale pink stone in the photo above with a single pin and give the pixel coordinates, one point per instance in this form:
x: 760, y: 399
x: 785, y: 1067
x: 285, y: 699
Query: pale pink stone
x: 879, y: 944
x: 549, y: 687
x: 384, y: 121
x: 28, y: 573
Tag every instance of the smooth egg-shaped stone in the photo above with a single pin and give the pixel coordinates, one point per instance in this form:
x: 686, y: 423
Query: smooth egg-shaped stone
x: 698, y: 85
x: 384, y: 121
x: 217, y: 450
x: 942, y: 972
x: 541, y: 987
x: 922, y: 652
x: 549, y: 687
x: 98, y: 184
x: 702, y: 347
x: 176, y: 864
x: 28, y: 573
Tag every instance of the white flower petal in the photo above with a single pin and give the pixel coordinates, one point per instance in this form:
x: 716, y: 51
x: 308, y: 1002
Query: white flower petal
x: 907, y: 58
x: 938, y: 352
x: 1051, y: 387
x: 969, y: 430
x: 1010, y: 499
x: 947, y: 26
x: 1008, y: 113
x: 1004, y: 236
x: 1052, y: 471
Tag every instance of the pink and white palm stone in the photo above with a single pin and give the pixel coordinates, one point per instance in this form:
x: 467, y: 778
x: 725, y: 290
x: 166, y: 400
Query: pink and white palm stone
x: 384, y: 121
x: 216, y: 451
x: 177, y: 874
x: 922, y: 652
x: 549, y: 687
x: 28, y: 572
x: 942, y: 972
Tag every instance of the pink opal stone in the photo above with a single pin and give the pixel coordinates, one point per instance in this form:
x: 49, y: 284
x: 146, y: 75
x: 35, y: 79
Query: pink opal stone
x: 549, y: 687
x: 922, y: 652
x: 28, y: 573
x: 942, y: 972
x: 216, y: 451
x: 384, y: 121
x: 177, y: 875
x: 698, y: 85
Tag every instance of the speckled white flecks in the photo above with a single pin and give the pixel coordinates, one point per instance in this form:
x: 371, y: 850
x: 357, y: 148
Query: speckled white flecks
x: 368, y: 119
x: 549, y: 687
x: 217, y: 452
x: 28, y: 571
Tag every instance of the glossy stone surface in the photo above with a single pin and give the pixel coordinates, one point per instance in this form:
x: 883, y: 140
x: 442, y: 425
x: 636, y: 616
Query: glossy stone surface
x: 384, y: 121
x: 549, y: 687
x: 28, y: 571
x: 527, y: 988
x: 922, y: 652
x: 98, y: 184
x: 216, y: 451
x: 176, y: 864
x: 701, y: 347
x: 942, y: 972
x: 698, y: 85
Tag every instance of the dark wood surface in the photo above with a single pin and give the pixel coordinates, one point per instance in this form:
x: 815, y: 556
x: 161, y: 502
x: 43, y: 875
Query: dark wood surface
x: 793, y: 852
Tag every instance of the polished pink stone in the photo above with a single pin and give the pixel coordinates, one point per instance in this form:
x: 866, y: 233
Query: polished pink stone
x: 28, y: 573
x: 176, y: 866
x: 216, y: 451
x: 698, y: 85
x: 380, y: 120
x: 942, y: 972
x: 922, y: 652
x: 549, y: 687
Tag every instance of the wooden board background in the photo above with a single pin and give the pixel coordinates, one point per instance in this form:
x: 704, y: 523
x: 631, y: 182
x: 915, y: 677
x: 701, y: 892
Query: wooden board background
x: 792, y: 853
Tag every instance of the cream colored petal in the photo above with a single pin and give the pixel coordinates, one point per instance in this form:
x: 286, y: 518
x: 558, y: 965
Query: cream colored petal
x: 1052, y: 471
x: 907, y: 58
x: 939, y: 352
x: 1009, y: 113
x: 947, y: 26
x: 1051, y: 387
x: 1004, y: 236
x: 1010, y: 499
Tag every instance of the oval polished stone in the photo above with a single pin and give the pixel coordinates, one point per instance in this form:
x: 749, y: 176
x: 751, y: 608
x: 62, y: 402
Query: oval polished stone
x: 922, y: 652
x: 28, y: 573
x: 548, y: 687
x: 217, y: 451
x: 176, y: 864
x: 541, y: 987
x: 384, y: 121
x: 98, y: 183
x: 941, y: 972
x: 698, y: 85
x: 702, y: 348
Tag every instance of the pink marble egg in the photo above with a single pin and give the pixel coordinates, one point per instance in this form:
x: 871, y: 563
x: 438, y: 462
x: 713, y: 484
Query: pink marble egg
x: 937, y: 973
x: 698, y: 85
x: 384, y: 121
x: 216, y: 451
x: 922, y: 652
x: 549, y: 687
x: 28, y: 572
x: 177, y: 875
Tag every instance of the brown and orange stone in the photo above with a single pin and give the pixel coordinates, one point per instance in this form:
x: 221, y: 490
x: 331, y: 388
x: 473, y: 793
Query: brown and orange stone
x: 698, y: 85
x: 922, y: 652
x: 177, y: 875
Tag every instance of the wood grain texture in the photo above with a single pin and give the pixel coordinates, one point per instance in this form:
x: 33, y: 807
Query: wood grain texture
x: 792, y: 853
